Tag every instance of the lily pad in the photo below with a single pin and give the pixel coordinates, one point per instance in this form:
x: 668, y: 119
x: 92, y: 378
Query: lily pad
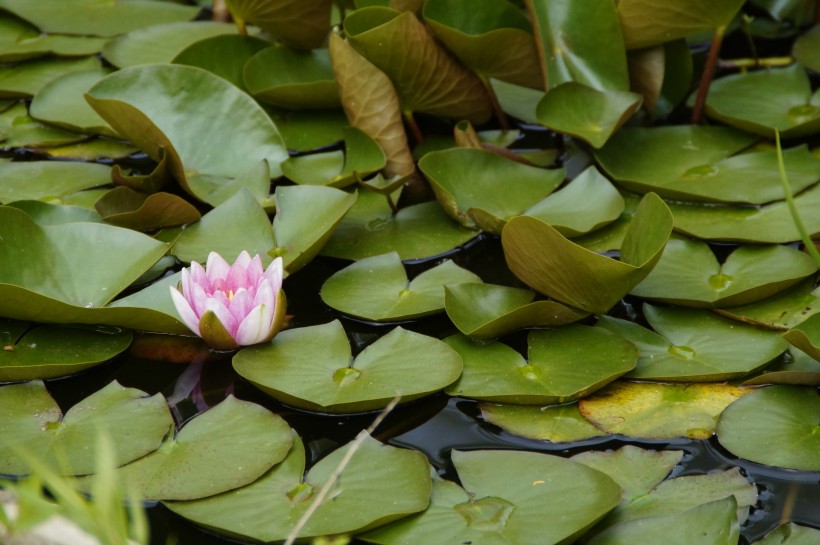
x: 695, y: 345
x: 659, y: 411
x: 518, y: 101
x: 224, y: 55
x: 311, y: 368
x: 795, y: 367
x: 125, y: 207
x: 776, y: 426
x: 151, y: 105
x: 551, y: 264
x: 251, y: 441
x: 24, y: 80
x: 292, y: 79
x: 160, y: 43
x: 767, y: 100
x: 305, y: 220
x: 637, y: 471
x: 586, y: 203
x: 377, y: 289
x: 268, y: 509
x: 481, y: 189
x: 61, y: 103
x: 22, y: 131
x: 305, y: 130
x: 790, y: 534
x: 92, y: 150
x: 806, y: 47
x: 782, y: 311
x: 414, y: 232
x: 487, y: 311
x: 806, y: 336
x: 55, y: 214
x: 563, y: 364
x: 303, y: 24
x: 689, y: 274
x: 555, y: 423
x: 41, y: 351
x: 40, y: 45
x: 34, y: 425
x: 504, y: 499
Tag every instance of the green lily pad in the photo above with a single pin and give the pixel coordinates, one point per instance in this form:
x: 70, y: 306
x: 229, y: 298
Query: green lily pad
x: 32, y: 351
x: 377, y: 289
x: 22, y: 131
x: 268, y: 509
x: 585, y: 204
x: 491, y: 37
x: 611, y: 237
x: 24, y: 80
x: 292, y: 79
x: 806, y: 336
x: 308, y: 130
x: 224, y: 55
x: 414, y: 232
x: 776, y: 426
x: 806, y: 47
x: 92, y: 150
x: 97, y: 18
x: 125, y: 207
x: 49, y: 179
x: 487, y: 311
x: 771, y: 223
x: 311, y: 368
x: 782, y: 311
x: 555, y: 423
x: 767, y: 100
x: 468, y: 183
x: 659, y: 411
x: 160, y: 43
x: 795, y: 367
x: 586, y: 113
x: 41, y: 45
x: 151, y: 105
x: 303, y: 24
x: 238, y: 224
x: 504, y: 498
x: 551, y: 264
x: 564, y: 364
x: 305, y: 220
x: 251, y: 440
x: 61, y: 103
x: 516, y: 100
x: 689, y: 274
x: 55, y: 214
x: 695, y: 345
x: 34, y: 425
x: 790, y: 534
x: 156, y: 180
x: 637, y: 471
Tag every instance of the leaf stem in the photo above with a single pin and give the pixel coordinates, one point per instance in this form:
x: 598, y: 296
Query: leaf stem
x: 787, y: 190
x: 706, y: 76
x: 390, y: 203
x: 414, y: 127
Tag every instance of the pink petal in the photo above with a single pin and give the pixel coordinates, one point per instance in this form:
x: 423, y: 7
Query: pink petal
x: 185, y: 311
x: 236, y: 279
x: 198, y: 300
x: 224, y: 316
x: 241, y: 304
x: 216, y: 267
x: 255, y: 328
x: 274, y: 273
x: 265, y: 294
x: 255, y: 271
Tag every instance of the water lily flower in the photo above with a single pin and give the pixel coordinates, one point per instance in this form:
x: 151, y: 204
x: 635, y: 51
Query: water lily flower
x: 232, y: 305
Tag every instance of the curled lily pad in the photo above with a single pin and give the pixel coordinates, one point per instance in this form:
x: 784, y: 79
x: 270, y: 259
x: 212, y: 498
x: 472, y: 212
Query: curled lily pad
x: 782, y: 311
x: 160, y: 43
x: 147, y: 105
x: 806, y: 336
x: 303, y: 24
x: 555, y: 423
x: 776, y: 425
x: 33, y: 425
x: 688, y: 274
x: 551, y: 264
x: 487, y: 311
x: 563, y: 364
x: 21, y: 130
x: 311, y: 368
x: 224, y: 55
x: 61, y: 103
x: 767, y: 100
x: 251, y: 441
x: 505, y: 495
x: 41, y: 351
x: 695, y: 345
x: 377, y: 289
x: 23, y: 80
x: 292, y: 79
x: 469, y: 181
x: 268, y: 509
x: 125, y: 207
x: 659, y: 411
x: 794, y: 367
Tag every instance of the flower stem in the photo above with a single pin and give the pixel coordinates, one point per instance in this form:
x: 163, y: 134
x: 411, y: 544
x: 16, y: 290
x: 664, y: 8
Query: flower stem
x: 787, y: 190
x: 706, y: 76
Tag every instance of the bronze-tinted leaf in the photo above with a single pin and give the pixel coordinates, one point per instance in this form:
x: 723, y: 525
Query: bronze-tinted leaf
x: 303, y: 24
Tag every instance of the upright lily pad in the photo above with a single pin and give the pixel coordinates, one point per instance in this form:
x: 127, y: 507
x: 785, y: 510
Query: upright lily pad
x: 376, y: 288
x: 551, y: 264
x: 659, y: 411
x: 487, y: 311
x: 776, y: 425
x: 695, y: 345
x: 482, y: 189
x: 563, y: 364
x: 303, y: 24
x: 311, y: 368
x: 689, y: 274
x: 33, y: 351
x: 152, y: 106
x: 268, y: 509
x: 160, y: 43
x: 24, y: 80
x: 292, y: 79
x: 504, y: 499
x: 555, y: 423
x: 61, y: 103
x: 125, y: 207
x: 224, y: 55
x: 251, y: 440
x: 33, y: 425
x: 767, y: 100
